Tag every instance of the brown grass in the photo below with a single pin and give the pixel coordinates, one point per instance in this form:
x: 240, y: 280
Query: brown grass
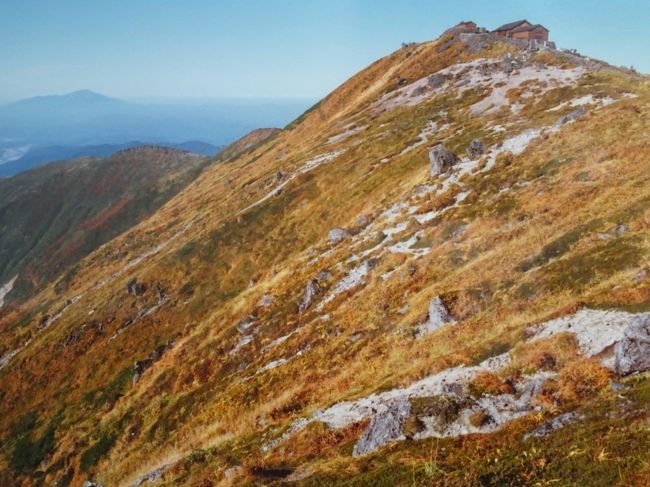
x: 580, y: 379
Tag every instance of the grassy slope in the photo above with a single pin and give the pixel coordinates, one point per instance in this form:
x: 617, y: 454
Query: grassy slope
x: 198, y: 406
x: 55, y: 215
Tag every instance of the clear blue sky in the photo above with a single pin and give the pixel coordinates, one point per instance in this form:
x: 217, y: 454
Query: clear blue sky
x: 266, y: 48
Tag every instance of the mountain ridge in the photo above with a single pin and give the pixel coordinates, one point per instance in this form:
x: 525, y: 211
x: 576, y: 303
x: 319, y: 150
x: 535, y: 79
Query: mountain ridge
x: 275, y: 303
x: 84, y: 95
x: 44, y: 155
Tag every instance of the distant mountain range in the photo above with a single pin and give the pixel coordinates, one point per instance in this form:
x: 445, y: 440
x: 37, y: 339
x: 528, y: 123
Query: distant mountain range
x: 42, y: 155
x: 84, y: 123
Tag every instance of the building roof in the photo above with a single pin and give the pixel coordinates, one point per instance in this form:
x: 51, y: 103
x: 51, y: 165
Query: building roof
x: 526, y: 28
x: 512, y: 25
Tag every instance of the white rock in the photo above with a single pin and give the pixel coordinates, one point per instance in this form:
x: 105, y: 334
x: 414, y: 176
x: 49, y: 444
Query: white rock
x: 438, y: 316
x: 6, y: 289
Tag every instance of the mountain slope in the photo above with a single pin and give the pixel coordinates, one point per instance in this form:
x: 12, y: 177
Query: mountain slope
x: 55, y: 215
x: 246, y: 143
x: 268, y: 349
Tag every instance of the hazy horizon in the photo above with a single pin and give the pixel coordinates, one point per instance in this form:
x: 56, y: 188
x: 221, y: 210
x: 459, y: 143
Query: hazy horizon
x: 188, y: 100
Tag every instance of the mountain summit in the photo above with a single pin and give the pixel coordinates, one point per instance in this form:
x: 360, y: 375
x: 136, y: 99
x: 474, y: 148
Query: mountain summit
x: 437, y: 275
x: 86, y: 96
x: 75, y: 100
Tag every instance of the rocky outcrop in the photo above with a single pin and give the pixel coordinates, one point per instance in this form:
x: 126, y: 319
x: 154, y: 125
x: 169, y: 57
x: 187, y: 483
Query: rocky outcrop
x: 385, y: 426
x: 571, y: 117
x: 135, y: 288
x: 632, y: 352
x: 265, y: 301
x: 141, y: 366
x: 436, y: 80
x: 438, y: 316
x: 553, y: 425
x: 6, y: 289
x: 337, y: 235
x: 312, y: 289
x: 150, y: 476
x: 441, y: 159
x: 475, y: 149
x: 363, y: 220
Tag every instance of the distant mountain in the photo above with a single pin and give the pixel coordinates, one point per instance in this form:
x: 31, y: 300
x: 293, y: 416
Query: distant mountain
x: 54, y: 215
x: 42, y: 155
x: 45, y: 113
x: 81, y: 99
x: 48, y: 128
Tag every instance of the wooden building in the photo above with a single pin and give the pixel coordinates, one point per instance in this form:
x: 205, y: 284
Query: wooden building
x: 524, y: 30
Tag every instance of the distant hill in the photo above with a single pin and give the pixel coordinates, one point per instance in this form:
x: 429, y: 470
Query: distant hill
x: 42, y: 155
x: 53, y: 215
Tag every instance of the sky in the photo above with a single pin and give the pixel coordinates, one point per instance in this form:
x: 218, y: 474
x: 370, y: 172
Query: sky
x: 199, y: 49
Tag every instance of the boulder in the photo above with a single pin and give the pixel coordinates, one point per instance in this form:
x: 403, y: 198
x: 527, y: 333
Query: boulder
x: 89, y: 483
x: 385, y: 426
x: 233, y: 472
x: 438, y: 316
x: 632, y: 352
x: 245, y: 324
x: 441, y: 159
x: 265, y: 301
x: 337, y: 235
x: 135, y: 288
x: 323, y: 276
x: 570, y: 117
x: 310, y: 293
x: 509, y: 63
x: 150, y: 477
x: 621, y: 229
x: 475, y: 149
x: 140, y: 366
x: 436, y: 80
x: 363, y: 220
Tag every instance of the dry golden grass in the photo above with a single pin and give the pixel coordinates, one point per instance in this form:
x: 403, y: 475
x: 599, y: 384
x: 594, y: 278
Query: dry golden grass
x: 489, y: 383
x: 581, y: 379
x: 200, y: 396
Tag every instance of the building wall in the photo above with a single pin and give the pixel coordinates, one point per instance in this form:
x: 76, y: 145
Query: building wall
x: 537, y: 34
x: 508, y: 33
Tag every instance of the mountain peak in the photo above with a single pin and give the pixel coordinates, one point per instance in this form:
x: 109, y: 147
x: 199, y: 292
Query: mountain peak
x: 85, y: 95
x: 74, y: 98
